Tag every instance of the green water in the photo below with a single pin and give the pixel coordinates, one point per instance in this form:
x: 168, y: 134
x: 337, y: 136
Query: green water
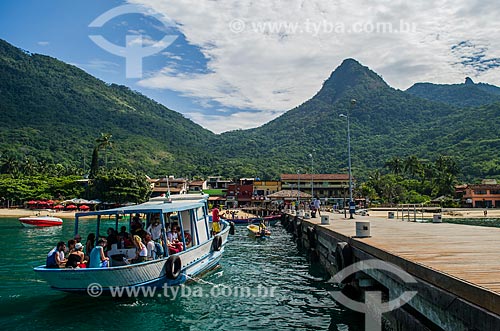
x: 300, y: 298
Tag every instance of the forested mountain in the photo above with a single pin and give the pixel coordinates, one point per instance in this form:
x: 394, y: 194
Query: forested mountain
x: 468, y: 94
x: 54, y: 112
x: 385, y: 123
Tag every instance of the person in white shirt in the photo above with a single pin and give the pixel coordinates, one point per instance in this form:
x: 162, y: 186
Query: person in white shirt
x: 317, y: 205
x: 150, y: 245
x: 154, y: 229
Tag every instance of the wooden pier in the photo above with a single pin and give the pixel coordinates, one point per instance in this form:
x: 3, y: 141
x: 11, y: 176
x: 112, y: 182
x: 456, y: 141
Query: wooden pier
x: 457, y: 266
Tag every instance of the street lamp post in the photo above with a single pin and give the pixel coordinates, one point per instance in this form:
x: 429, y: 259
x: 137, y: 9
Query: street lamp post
x: 298, y: 188
x: 312, y: 174
x: 352, y: 205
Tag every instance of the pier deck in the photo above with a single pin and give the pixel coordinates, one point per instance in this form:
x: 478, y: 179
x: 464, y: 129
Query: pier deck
x: 463, y: 260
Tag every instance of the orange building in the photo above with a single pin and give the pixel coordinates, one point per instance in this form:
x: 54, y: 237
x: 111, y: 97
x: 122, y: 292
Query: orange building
x: 481, y: 196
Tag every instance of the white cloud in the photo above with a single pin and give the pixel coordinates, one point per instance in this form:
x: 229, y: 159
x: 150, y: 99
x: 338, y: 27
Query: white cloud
x: 273, y: 71
x: 43, y: 43
x: 221, y: 122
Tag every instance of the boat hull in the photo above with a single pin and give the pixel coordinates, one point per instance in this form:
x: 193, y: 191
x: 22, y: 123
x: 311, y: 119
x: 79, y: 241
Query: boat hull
x: 254, y: 230
x: 245, y: 221
x: 40, y: 221
x: 194, y: 261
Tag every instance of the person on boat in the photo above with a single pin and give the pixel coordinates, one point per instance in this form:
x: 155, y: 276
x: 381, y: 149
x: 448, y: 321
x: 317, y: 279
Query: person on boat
x: 97, y: 257
x: 215, y: 221
x: 76, y: 258
x: 112, y: 238
x: 123, y: 232
x: 55, y: 258
x: 174, y: 248
x: 150, y: 245
x: 71, y: 246
x: 262, y: 228
x: 141, y: 254
x: 154, y: 229
x: 78, y: 238
x: 89, y: 244
x: 173, y: 240
x: 173, y: 234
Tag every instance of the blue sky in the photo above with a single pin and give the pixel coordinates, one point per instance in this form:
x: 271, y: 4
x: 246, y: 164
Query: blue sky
x: 238, y: 64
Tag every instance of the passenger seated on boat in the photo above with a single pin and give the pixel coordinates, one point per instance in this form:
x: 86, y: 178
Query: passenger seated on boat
x: 112, y: 238
x: 141, y: 250
x: 123, y: 232
x: 76, y: 258
x: 78, y: 238
x: 70, y: 247
x: 262, y: 227
x: 89, y: 244
x: 97, y: 257
x: 187, y: 238
x: 174, y: 248
x: 55, y: 258
x: 150, y: 245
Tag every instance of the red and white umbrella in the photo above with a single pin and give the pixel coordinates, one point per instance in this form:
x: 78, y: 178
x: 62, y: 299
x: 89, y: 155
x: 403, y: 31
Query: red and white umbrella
x: 71, y: 207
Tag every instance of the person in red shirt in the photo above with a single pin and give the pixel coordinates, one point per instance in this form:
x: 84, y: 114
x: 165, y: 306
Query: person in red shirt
x: 215, y: 221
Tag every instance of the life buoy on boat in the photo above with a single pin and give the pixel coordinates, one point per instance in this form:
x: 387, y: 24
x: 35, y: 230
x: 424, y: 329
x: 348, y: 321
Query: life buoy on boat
x: 217, y: 243
x: 173, y: 267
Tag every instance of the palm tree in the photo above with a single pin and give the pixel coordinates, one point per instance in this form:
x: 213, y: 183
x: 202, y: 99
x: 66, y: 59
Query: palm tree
x: 395, y: 165
x: 10, y: 165
x: 413, y: 166
x: 103, y: 142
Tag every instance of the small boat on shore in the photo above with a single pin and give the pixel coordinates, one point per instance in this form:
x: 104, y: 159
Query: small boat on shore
x: 199, y: 252
x: 257, y: 231
x: 40, y: 221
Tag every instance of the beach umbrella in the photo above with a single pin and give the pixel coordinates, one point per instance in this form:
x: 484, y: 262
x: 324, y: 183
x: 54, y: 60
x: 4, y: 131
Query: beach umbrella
x: 71, y: 207
x: 84, y: 207
x: 58, y: 207
x: 50, y: 202
x: 32, y: 202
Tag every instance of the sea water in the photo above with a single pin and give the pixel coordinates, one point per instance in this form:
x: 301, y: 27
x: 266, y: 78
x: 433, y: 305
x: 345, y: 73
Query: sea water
x: 259, y: 285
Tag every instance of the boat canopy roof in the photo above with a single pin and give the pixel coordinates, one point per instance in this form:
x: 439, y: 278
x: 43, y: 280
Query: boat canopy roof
x: 158, y: 206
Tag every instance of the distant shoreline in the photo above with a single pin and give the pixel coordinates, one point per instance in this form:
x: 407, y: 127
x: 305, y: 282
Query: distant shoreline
x: 451, y: 213
x: 17, y: 212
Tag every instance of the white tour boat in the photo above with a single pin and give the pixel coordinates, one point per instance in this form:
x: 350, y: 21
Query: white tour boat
x: 201, y: 252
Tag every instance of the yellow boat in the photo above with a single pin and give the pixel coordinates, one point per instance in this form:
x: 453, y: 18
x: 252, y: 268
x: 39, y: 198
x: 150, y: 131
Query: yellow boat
x: 258, y: 231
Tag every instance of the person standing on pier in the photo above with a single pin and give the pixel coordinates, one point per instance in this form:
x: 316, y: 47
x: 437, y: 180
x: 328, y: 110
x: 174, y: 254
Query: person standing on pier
x: 317, y: 205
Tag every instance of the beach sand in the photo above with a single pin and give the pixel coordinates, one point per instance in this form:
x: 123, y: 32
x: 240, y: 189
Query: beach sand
x: 16, y: 212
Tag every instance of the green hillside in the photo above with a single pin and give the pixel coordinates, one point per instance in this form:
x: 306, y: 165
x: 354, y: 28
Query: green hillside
x: 468, y: 94
x: 53, y: 112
